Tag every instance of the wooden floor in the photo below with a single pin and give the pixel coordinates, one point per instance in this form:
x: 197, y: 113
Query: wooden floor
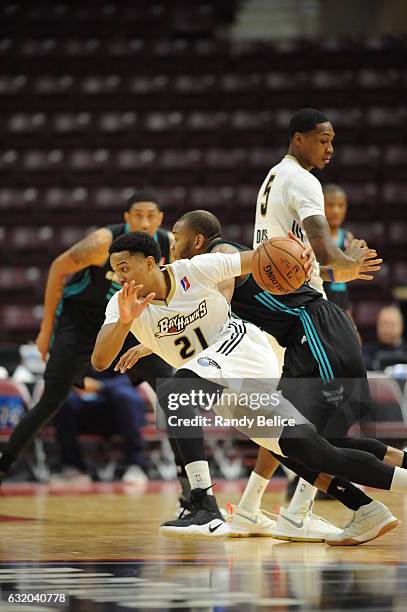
x: 101, y: 545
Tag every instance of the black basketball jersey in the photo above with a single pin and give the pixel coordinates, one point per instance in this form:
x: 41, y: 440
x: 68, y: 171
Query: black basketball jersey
x: 276, y: 315
x: 338, y: 292
x: 91, y: 288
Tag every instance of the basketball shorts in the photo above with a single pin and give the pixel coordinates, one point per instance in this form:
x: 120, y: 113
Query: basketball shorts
x: 324, y: 375
x: 243, y: 362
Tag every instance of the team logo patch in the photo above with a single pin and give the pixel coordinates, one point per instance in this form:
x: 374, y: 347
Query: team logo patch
x: 185, y: 283
x: 207, y: 361
x: 172, y: 326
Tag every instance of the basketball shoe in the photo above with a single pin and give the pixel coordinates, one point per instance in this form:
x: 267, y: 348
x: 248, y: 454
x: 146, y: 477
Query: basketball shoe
x: 303, y: 525
x: 244, y: 524
x: 369, y: 522
x: 184, y: 506
x: 203, y: 520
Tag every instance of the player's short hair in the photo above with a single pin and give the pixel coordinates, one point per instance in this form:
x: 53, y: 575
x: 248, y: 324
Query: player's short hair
x: 136, y: 242
x: 143, y: 195
x: 305, y: 120
x: 203, y: 222
x: 332, y: 188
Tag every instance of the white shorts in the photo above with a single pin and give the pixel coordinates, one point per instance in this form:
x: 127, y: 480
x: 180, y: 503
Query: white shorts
x: 243, y: 362
x: 242, y: 351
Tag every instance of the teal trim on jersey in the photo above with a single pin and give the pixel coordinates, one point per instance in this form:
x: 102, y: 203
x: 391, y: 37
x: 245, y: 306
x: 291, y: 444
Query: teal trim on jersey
x: 334, y: 286
x: 127, y: 228
x: 114, y: 288
x: 341, y: 238
x: 314, y: 341
x: 337, y: 287
x: 78, y: 287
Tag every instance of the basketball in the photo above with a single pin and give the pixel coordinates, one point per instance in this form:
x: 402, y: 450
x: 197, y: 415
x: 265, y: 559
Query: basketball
x: 277, y: 265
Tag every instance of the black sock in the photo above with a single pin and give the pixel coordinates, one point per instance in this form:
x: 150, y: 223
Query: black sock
x: 348, y: 494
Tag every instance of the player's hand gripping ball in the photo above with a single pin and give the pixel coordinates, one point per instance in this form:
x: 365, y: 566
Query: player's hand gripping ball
x: 278, y: 265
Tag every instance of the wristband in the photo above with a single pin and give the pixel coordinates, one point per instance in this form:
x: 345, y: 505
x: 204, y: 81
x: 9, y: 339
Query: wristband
x: 331, y: 275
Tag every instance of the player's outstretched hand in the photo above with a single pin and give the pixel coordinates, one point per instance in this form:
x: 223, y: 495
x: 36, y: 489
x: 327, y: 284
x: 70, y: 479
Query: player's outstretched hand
x: 131, y: 357
x: 308, y: 255
x: 130, y: 304
x: 43, y: 341
x: 366, y: 260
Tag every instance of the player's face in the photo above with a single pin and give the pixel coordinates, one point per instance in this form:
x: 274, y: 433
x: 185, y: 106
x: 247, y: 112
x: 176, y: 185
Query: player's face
x: 144, y: 217
x: 335, y: 208
x: 183, y: 246
x: 389, y: 327
x: 130, y: 267
x: 316, y: 146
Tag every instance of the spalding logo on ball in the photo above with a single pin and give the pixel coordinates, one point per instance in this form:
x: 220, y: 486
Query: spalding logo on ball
x: 277, y: 265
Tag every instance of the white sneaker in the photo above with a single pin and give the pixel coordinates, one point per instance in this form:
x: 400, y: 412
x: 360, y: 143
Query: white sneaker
x: 134, y: 475
x: 244, y: 524
x: 303, y: 525
x: 369, y: 522
x: 70, y: 475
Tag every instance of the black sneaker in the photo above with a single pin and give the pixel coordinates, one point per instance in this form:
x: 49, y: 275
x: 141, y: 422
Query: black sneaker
x: 184, y: 507
x: 204, y: 519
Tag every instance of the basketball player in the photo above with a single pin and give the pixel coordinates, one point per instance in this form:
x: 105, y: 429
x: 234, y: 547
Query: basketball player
x: 336, y: 206
x: 211, y: 355
x: 291, y: 198
x: 199, y: 232
x: 74, y: 312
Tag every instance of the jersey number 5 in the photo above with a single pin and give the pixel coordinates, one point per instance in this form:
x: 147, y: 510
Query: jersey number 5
x: 186, y: 351
x: 265, y: 198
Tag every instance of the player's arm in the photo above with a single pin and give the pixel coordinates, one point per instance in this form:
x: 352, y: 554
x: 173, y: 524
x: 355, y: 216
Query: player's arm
x: 91, y: 251
x: 372, y: 264
x: 357, y: 259
x: 131, y: 357
x: 227, y: 286
x: 123, y: 308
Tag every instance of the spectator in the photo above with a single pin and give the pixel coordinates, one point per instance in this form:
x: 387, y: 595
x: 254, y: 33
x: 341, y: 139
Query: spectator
x: 108, y: 404
x: 390, y: 347
x: 336, y: 206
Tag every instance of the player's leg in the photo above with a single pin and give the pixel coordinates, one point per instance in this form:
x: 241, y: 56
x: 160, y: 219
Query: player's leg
x: 246, y: 518
x: 387, y: 454
x: 152, y: 369
x: 205, y: 518
x: 60, y: 372
x: 370, y: 518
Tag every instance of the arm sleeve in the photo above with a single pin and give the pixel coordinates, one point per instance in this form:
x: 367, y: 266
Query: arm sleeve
x: 112, y: 310
x: 212, y: 268
x: 305, y: 194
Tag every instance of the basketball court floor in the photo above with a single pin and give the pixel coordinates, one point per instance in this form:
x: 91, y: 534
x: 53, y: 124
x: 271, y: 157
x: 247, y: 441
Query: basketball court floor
x: 97, y: 548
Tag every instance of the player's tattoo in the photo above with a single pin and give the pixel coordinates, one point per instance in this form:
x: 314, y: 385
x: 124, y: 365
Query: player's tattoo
x: 316, y: 226
x: 93, y: 247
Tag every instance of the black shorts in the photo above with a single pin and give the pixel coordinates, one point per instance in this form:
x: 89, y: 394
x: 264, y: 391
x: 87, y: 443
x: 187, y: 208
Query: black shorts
x: 324, y: 375
x: 72, y: 349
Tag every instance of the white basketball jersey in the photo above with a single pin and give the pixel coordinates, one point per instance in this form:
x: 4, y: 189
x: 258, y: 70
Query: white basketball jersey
x: 288, y: 195
x: 194, y: 315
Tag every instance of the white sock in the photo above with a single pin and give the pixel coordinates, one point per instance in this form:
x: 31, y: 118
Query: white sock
x: 303, y: 493
x: 199, y: 476
x: 399, y: 481
x: 253, y: 493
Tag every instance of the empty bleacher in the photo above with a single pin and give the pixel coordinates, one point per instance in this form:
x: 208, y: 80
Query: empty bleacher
x: 97, y: 99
